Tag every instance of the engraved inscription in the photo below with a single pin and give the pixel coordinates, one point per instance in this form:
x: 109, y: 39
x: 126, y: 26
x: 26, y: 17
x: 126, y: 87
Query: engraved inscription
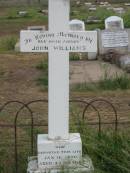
x: 37, y: 41
x: 59, y: 156
x: 114, y: 39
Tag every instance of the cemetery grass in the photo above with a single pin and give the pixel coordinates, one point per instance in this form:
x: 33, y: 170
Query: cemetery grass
x: 11, y: 23
x: 109, y: 151
x: 106, y: 83
x: 19, y: 74
x: 83, y: 13
x: 18, y: 77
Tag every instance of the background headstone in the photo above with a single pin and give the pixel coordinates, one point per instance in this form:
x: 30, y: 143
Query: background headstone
x: 45, y: 12
x: 114, y: 38
x: 93, y: 19
x: 127, y: 4
x: 78, y: 3
x: 105, y: 4
x: 119, y: 10
x: 23, y: 13
x: 76, y: 25
x: 114, y: 22
x: 92, y: 9
x: 33, y: 28
x: 88, y: 4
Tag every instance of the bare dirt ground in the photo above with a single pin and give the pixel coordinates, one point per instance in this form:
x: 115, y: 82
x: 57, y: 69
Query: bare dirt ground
x: 91, y: 71
x: 18, y: 75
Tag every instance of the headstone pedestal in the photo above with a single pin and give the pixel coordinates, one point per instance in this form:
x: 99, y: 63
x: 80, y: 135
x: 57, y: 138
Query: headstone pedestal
x: 55, y: 156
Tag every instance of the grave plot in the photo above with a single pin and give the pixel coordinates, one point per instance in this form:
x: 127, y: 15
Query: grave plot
x: 98, y: 106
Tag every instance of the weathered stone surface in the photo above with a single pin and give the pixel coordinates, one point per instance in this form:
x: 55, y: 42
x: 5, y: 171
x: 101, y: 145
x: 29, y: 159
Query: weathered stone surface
x: 53, y: 154
x: 124, y: 62
x: 120, y: 49
x: 92, y: 55
x: 110, y: 8
x: 85, y: 166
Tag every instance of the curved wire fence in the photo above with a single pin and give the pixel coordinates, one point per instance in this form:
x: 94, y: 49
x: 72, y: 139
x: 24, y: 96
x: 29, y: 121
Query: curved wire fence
x: 95, y: 105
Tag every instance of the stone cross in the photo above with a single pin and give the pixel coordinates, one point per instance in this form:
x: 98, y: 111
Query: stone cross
x: 58, y: 73
x: 58, y: 42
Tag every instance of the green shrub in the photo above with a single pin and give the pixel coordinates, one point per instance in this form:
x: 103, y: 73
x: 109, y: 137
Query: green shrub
x: 8, y: 43
x: 102, y: 13
x: 112, y: 83
x: 126, y: 18
x: 12, y: 13
x: 110, y: 152
x: 43, y: 80
x: 74, y: 57
x: 43, y: 66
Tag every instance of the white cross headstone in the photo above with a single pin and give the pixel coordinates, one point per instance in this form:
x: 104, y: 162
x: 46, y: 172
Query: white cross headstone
x: 58, y: 145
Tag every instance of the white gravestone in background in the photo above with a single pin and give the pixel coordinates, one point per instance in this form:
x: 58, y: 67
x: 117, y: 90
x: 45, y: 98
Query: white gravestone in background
x: 114, y: 38
x: 76, y: 25
x: 58, y: 146
x: 79, y: 25
x: 114, y: 22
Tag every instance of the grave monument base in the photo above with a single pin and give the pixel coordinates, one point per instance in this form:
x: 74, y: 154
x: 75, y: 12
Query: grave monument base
x: 55, y: 156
